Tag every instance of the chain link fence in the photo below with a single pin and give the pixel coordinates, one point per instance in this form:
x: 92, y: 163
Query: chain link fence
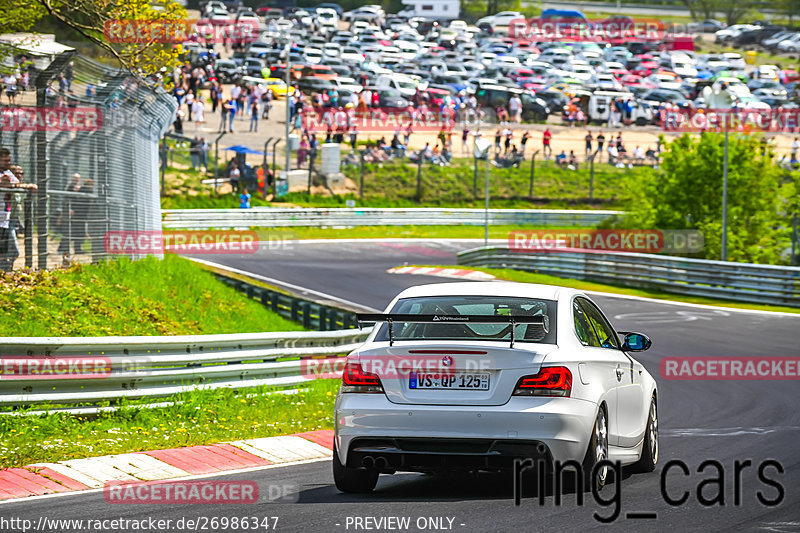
x: 87, y: 135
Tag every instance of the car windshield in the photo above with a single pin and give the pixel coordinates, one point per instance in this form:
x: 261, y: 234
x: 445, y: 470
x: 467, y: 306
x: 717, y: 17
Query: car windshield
x: 473, y: 305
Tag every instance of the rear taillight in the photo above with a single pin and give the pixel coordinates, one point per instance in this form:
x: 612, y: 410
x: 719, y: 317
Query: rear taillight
x: 550, y: 381
x: 355, y: 379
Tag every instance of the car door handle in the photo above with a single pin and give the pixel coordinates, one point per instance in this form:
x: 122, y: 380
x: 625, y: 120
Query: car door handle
x: 620, y: 373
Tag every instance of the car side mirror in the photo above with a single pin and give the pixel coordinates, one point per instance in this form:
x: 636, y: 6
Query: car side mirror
x: 636, y: 342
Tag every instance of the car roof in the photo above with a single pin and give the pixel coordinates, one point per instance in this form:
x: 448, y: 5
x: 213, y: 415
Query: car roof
x: 483, y: 288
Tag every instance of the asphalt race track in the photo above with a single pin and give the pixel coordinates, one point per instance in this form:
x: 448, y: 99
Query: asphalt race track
x: 724, y: 421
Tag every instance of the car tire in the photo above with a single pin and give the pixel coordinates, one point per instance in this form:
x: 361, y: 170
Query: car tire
x: 352, y: 480
x: 641, y: 121
x: 649, y: 458
x: 596, y: 452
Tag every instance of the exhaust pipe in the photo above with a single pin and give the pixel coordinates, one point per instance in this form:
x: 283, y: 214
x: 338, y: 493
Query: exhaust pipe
x: 381, y: 463
x: 368, y: 462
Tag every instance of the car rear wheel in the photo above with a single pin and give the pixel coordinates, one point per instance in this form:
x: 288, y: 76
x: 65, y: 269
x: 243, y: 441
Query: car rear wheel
x: 647, y: 462
x: 353, y: 480
x: 596, y: 452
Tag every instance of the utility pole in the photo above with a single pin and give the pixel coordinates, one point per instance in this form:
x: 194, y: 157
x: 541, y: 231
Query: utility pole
x: 288, y: 116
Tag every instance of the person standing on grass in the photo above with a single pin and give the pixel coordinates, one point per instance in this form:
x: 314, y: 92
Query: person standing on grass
x: 508, y: 135
x: 234, y: 174
x: 795, y: 148
x: 244, y: 200
x: 525, y: 136
x: 194, y: 152
x: 498, y: 135
x: 464, y: 137
x: 547, y: 151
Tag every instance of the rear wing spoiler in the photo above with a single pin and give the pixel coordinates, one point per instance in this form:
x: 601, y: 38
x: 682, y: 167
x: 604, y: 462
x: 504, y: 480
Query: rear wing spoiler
x: 512, y: 320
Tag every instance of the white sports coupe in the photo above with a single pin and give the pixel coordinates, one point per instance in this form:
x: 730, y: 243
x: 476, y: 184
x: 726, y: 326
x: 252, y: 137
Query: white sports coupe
x: 477, y: 376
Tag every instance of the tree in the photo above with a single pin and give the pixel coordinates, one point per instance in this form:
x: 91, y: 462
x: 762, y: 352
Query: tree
x: 89, y: 17
x: 686, y: 193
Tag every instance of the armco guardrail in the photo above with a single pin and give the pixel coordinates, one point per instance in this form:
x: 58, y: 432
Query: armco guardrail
x: 776, y: 285
x: 311, y: 314
x: 153, y: 367
x: 344, y: 217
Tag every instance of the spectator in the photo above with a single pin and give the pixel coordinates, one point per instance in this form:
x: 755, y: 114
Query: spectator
x: 588, y: 140
x: 464, y: 140
x: 302, y: 151
x: 601, y: 140
x: 234, y: 174
x: 652, y: 155
x: 561, y: 159
x: 254, y: 113
x: 69, y: 74
x: 638, y: 155
x: 198, y: 113
x: 573, y: 161
x: 10, y: 82
x: 204, y: 148
x: 525, y: 136
x: 547, y: 151
x: 194, y: 152
x: 9, y: 247
x: 508, y: 135
x: 515, y: 107
x: 498, y: 135
x: 795, y: 148
x: 613, y: 154
x: 178, y: 124
x: 244, y: 200
x: 353, y: 137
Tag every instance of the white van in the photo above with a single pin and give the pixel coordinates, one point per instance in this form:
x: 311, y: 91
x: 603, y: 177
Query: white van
x: 600, y: 107
x: 406, y: 85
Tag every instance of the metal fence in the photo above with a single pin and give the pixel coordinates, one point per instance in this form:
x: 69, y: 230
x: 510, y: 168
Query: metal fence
x: 766, y: 284
x: 92, y: 178
x: 345, y: 217
x: 158, y: 367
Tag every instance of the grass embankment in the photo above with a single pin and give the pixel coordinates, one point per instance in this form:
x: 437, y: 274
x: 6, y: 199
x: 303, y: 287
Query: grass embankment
x: 545, y: 279
x: 201, y: 417
x: 394, y: 184
x: 146, y: 297
x: 172, y: 296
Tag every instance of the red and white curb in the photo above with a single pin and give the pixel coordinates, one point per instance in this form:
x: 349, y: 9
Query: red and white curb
x: 95, y: 472
x: 458, y: 273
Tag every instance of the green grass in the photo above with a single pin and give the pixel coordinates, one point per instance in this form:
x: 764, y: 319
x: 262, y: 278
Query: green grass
x: 201, y: 417
x: 172, y: 296
x: 394, y: 184
x: 545, y: 279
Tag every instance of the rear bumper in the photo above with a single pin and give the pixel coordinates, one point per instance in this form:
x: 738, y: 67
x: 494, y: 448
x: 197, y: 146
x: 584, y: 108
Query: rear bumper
x: 424, y: 437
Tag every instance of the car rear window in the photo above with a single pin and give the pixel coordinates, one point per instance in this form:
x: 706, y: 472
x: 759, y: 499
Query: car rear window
x: 473, y: 305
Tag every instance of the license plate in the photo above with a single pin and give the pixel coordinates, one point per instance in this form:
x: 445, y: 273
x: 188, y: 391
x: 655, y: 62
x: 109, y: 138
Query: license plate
x: 448, y: 381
